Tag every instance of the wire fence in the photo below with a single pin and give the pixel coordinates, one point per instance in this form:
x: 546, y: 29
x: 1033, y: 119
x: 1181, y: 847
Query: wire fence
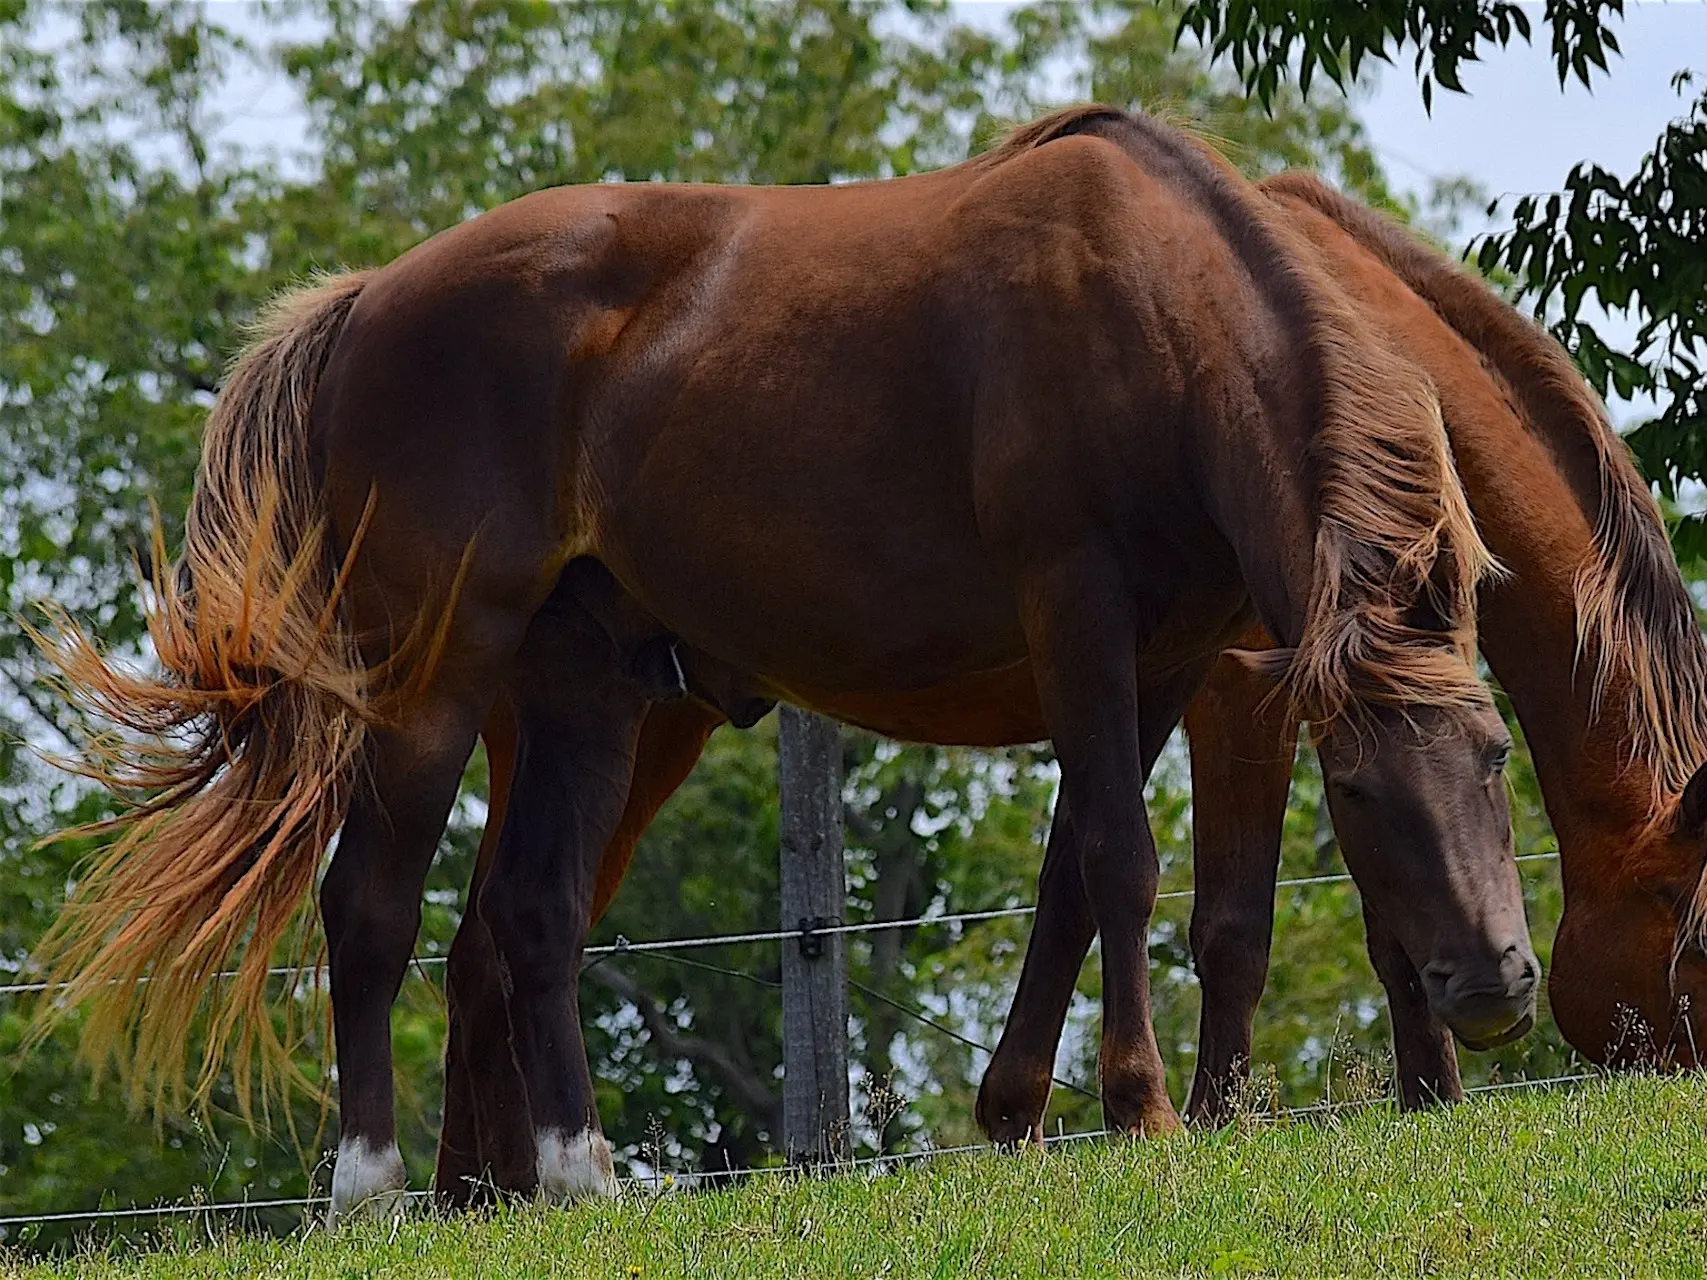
x: 664, y: 949
x: 624, y: 946
x: 663, y: 1182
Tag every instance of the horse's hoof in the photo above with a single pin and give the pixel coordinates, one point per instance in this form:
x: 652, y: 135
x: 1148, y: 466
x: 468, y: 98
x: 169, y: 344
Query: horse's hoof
x: 367, y: 1181
x: 1013, y: 1133
x: 1209, y: 1117
x: 1011, y: 1117
x: 1146, y: 1116
x: 466, y: 1193
x: 575, y: 1166
x: 1151, y: 1125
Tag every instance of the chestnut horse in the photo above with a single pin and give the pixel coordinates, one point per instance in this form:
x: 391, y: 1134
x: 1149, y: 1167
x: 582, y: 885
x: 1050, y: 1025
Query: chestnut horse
x: 1618, y: 746
x: 1618, y: 741
x: 1081, y: 399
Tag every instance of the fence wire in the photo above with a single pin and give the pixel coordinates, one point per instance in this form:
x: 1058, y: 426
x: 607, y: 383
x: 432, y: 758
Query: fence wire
x: 624, y: 946
x: 663, y: 1181
x: 660, y: 948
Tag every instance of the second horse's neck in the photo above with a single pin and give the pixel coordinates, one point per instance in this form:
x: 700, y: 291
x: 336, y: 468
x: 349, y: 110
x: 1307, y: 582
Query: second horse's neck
x: 1592, y: 777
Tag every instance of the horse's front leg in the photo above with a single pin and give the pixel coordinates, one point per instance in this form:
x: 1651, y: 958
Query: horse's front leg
x: 1424, y: 1059
x: 1014, y: 1093
x: 575, y: 751
x: 1242, y: 744
x: 1081, y: 628
x: 1015, y: 1090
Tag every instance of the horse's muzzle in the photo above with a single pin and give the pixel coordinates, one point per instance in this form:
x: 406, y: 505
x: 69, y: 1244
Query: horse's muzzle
x: 1486, y: 1010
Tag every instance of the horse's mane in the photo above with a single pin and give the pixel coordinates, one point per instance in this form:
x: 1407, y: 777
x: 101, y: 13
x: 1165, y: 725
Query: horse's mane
x: 1046, y: 128
x: 1397, y: 558
x: 1634, y: 614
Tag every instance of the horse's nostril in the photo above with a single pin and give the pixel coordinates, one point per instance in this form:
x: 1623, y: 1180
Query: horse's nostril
x: 1520, y: 968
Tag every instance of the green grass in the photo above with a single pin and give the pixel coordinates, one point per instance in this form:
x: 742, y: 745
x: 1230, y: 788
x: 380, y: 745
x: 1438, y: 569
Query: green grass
x: 1602, y: 1179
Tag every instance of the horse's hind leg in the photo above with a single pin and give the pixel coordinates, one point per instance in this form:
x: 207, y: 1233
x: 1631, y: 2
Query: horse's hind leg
x: 577, y: 720
x: 431, y: 711
x: 460, y: 1180
x: 486, y: 1140
x: 481, y: 1077
x: 672, y: 739
x: 370, y: 901
x: 486, y: 1144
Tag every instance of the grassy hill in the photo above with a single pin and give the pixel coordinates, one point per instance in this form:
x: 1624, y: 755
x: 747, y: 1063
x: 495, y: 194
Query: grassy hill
x: 1609, y: 1178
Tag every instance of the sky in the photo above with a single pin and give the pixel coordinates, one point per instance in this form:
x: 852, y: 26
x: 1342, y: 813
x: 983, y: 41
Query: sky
x: 1515, y: 131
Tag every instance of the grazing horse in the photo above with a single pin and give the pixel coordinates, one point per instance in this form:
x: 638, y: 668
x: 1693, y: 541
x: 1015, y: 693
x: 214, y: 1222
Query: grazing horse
x: 1081, y: 408
x: 1618, y: 742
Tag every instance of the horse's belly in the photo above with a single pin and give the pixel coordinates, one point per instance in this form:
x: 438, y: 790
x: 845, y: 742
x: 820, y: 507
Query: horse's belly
x: 805, y: 611
x: 980, y: 709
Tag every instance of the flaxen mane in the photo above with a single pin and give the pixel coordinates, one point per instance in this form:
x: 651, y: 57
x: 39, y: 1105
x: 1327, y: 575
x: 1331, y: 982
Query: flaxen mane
x: 1634, y: 614
x: 1391, y: 614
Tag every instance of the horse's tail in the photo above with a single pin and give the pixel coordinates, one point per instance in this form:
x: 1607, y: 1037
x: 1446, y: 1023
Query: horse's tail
x: 236, y: 761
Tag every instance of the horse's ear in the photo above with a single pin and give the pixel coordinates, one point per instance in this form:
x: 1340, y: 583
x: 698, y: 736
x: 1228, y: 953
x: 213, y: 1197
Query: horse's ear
x: 1692, y: 808
x: 1267, y: 664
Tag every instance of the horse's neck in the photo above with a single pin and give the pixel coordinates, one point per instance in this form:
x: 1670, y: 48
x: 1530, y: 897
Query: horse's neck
x: 1533, y: 523
x: 1264, y: 509
x: 1535, y: 503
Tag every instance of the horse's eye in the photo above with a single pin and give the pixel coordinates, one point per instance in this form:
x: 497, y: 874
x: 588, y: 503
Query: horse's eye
x: 1497, y: 757
x: 1346, y: 789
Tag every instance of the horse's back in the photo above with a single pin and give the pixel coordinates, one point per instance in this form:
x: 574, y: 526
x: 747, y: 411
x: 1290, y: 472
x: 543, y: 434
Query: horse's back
x: 892, y: 381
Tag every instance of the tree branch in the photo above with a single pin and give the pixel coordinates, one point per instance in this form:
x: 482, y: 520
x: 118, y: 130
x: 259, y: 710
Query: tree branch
x: 750, y: 1090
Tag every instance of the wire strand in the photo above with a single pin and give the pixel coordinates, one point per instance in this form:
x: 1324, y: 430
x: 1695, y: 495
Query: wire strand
x: 660, y: 949
x: 729, y: 1175
x: 623, y: 945
x: 919, y: 1016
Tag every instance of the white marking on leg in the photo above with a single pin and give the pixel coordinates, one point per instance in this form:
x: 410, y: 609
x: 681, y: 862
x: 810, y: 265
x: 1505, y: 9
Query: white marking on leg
x: 368, y: 1180
x: 574, y: 1166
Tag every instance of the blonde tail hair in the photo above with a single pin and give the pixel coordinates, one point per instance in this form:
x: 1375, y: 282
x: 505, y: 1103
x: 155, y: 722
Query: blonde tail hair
x: 236, y: 761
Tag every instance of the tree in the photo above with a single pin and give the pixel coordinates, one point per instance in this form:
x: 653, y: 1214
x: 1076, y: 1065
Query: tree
x: 1634, y: 244
x: 1263, y: 37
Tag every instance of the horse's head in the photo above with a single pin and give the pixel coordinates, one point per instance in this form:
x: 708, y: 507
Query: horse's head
x: 1418, y: 801
x: 1628, y: 984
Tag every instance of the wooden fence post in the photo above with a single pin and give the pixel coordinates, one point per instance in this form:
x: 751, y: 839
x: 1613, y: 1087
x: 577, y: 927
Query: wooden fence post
x: 814, y: 966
